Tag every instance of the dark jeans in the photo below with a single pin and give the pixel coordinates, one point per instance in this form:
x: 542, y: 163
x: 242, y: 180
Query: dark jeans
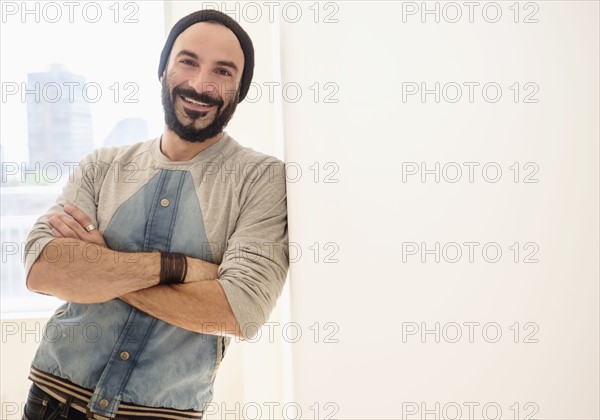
x: 41, y: 406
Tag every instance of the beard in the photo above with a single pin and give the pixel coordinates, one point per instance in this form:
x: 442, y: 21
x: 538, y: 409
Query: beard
x: 189, y: 132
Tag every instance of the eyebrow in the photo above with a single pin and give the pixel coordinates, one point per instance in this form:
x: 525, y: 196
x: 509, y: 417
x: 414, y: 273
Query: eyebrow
x: 229, y: 64
x: 225, y: 63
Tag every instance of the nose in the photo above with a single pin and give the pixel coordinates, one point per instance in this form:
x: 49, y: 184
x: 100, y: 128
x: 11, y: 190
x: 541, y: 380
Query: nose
x: 204, y: 81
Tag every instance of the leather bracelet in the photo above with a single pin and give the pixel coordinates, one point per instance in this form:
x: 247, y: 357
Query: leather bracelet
x: 173, y: 268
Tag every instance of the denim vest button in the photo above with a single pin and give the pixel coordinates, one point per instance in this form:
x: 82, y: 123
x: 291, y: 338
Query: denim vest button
x: 164, y: 202
x: 103, y: 403
x: 124, y: 355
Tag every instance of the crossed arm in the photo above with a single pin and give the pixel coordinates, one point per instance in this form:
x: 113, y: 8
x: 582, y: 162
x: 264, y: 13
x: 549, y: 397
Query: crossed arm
x: 198, y: 305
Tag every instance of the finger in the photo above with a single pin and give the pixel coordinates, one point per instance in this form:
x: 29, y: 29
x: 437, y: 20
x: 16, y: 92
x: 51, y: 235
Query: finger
x: 66, y: 227
x: 63, y: 229
x: 78, y: 221
x: 81, y: 218
x: 74, y: 226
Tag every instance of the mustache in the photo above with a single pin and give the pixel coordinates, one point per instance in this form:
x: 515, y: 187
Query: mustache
x: 200, y: 97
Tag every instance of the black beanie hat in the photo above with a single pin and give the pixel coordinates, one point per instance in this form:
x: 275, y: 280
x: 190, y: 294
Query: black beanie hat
x: 204, y: 15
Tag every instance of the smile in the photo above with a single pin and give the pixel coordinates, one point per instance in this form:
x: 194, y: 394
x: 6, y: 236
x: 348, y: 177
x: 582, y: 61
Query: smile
x: 197, y: 104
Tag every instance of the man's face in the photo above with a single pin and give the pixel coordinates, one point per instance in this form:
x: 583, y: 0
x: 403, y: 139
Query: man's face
x: 200, y: 85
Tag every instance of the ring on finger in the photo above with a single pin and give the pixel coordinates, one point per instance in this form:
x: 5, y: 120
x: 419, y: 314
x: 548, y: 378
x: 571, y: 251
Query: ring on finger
x: 90, y: 227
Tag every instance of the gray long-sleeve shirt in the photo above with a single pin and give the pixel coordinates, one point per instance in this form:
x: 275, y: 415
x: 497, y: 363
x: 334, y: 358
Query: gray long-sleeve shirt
x: 227, y: 206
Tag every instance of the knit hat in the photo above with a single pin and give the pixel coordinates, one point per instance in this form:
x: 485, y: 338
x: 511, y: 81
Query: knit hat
x: 204, y: 15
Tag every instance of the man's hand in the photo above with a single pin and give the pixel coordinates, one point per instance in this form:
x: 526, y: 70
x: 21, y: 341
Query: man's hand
x: 74, y: 226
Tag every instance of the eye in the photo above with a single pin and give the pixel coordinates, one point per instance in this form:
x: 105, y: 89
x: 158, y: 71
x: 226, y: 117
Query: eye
x: 224, y: 72
x: 187, y: 62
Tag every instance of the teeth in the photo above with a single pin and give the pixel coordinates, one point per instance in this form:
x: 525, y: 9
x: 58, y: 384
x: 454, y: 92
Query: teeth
x: 194, y: 102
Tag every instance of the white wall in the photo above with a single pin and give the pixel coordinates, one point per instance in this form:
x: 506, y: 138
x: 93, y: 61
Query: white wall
x: 371, y: 295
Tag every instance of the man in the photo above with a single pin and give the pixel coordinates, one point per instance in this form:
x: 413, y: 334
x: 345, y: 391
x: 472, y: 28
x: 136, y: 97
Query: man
x: 162, y: 249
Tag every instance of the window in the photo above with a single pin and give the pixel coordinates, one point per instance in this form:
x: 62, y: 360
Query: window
x: 75, y: 76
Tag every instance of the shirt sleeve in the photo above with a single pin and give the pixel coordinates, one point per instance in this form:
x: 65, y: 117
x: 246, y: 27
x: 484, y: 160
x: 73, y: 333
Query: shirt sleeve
x: 256, y: 260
